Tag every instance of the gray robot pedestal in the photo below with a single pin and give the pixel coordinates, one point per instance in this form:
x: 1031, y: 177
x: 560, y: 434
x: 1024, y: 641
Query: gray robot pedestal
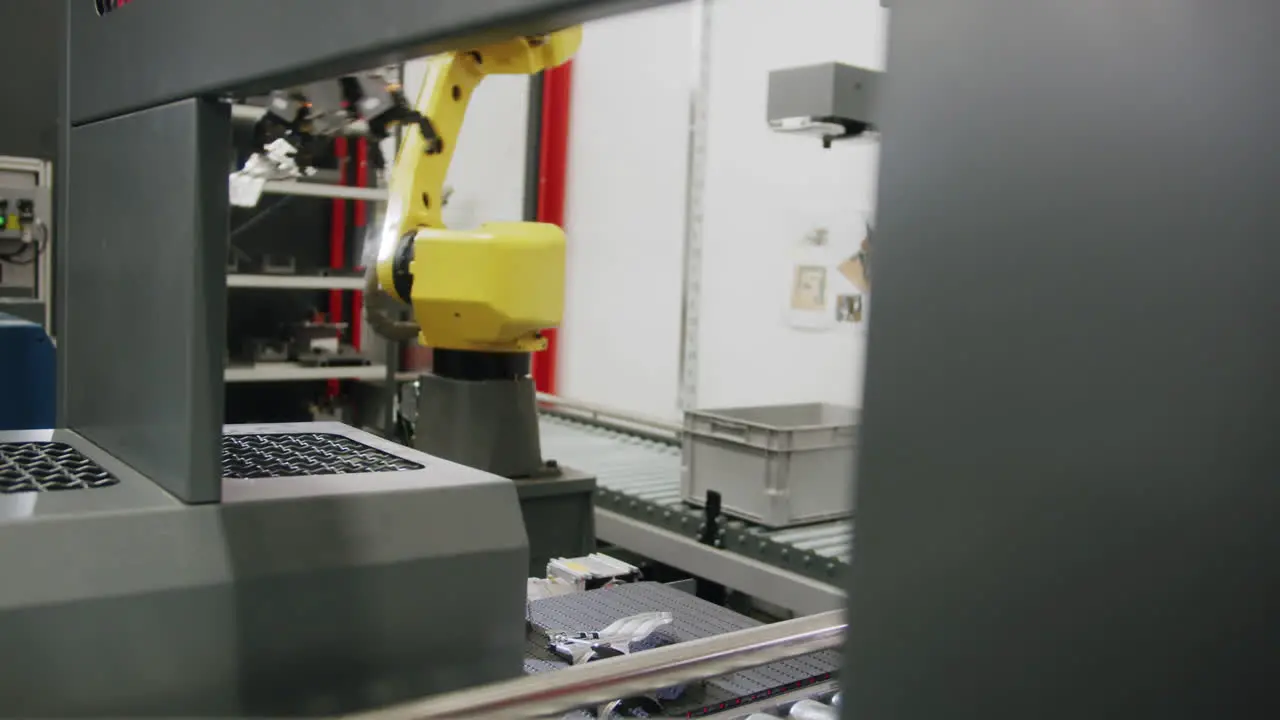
x: 339, y: 572
x: 492, y: 425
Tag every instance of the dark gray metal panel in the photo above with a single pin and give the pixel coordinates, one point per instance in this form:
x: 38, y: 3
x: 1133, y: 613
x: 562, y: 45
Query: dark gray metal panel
x: 31, y: 54
x: 145, y: 293
x: 156, y: 51
x: 1068, y: 484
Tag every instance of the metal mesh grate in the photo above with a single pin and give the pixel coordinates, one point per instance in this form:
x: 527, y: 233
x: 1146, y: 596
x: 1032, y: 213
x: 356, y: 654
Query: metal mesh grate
x: 693, y: 618
x: 295, y: 455
x: 47, y: 467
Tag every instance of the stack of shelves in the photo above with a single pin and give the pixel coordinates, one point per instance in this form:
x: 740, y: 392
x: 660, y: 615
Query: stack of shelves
x: 292, y: 371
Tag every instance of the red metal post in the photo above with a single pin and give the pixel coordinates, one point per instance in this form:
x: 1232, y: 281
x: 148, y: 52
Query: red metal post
x: 338, y: 241
x: 556, y: 92
x: 362, y: 220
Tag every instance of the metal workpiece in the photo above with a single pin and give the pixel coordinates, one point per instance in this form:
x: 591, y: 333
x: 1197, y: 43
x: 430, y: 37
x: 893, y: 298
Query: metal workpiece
x: 311, y: 594
x: 142, y: 291
x: 598, y: 682
x: 181, y: 48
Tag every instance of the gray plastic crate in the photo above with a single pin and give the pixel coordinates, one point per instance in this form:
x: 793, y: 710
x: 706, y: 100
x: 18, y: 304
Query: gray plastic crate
x: 777, y: 465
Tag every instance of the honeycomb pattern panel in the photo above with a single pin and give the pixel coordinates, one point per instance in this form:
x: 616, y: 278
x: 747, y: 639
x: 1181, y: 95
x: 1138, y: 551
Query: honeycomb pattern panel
x: 299, y: 454
x: 692, y: 618
x: 48, y: 467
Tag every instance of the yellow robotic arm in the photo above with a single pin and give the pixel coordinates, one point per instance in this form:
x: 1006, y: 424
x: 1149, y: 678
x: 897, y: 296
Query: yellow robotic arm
x: 492, y: 289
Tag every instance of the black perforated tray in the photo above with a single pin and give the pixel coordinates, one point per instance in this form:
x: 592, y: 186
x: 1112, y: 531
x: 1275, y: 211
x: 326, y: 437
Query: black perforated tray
x: 692, y: 618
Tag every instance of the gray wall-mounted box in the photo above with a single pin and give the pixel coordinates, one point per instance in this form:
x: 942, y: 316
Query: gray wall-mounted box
x: 776, y: 465
x: 829, y: 90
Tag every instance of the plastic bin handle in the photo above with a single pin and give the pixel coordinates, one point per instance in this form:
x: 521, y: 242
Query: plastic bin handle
x: 723, y: 428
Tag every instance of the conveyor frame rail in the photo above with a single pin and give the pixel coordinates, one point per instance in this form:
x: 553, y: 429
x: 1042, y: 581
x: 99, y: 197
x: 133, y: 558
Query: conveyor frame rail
x: 639, y: 478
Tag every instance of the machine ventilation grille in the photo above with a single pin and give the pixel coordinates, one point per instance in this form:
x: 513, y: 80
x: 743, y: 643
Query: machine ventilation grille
x: 48, y: 466
x: 295, y: 455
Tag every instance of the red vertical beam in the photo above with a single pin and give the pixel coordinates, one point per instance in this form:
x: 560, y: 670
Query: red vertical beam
x: 361, y: 221
x: 338, y: 240
x: 338, y: 230
x: 552, y: 166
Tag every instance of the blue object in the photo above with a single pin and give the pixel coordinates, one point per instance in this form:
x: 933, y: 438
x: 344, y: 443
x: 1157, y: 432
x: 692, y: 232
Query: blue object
x: 27, y: 375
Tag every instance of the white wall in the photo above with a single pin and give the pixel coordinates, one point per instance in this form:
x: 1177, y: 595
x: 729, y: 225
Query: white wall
x: 624, y: 215
x: 487, y: 172
x: 764, y: 192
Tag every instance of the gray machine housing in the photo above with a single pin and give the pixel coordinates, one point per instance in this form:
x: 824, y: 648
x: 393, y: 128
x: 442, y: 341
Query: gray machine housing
x: 294, y: 595
x: 492, y: 425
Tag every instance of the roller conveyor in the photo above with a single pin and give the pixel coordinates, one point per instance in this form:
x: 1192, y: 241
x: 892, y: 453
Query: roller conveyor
x: 639, y: 480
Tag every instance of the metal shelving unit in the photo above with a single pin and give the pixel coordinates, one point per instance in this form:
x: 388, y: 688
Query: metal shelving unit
x: 293, y: 372
x: 294, y: 282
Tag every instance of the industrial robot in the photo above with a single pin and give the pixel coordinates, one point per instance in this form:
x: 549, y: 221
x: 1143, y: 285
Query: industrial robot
x: 480, y: 298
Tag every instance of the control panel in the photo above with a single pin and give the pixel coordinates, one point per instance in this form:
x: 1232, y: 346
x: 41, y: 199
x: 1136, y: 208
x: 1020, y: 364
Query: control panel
x: 26, y: 242
x: 18, y: 216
